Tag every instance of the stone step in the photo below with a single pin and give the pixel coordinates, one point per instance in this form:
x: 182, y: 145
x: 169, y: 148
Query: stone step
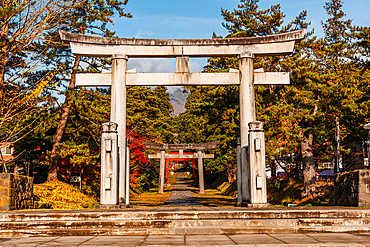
x: 182, y: 231
x: 145, y: 223
x: 182, y: 215
x: 150, y: 222
x: 333, y: 221
x: 239, y: 223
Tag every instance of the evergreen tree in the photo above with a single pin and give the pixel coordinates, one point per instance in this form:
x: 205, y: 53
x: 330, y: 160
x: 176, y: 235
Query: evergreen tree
x: 329, y: 81
x: 343, y: 78
x: 90, y: 17
x: 148, y: 114
x: 217, y: 107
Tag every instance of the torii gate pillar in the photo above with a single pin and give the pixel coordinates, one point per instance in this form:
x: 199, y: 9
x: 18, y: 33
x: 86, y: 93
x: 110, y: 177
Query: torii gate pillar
x: 162, y: 167
x: 253, y: 185
x: 200, y: 171
x: 247, y: 115
x: 118, y: 115
x: 246, y: 95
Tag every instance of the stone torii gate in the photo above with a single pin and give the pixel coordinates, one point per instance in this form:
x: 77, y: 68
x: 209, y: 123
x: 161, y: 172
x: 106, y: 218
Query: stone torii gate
x: 252, y: 166
x: 181, y: 147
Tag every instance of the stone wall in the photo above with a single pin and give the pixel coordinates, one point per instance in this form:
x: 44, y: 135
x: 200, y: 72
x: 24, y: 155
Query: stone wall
x: 352, y: 189
x: 16, y: 192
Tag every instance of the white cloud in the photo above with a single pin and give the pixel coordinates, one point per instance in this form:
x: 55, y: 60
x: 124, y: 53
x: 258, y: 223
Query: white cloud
x: 163, y: 65
x: 170, y: 27
x: 142, y: 33
x: 172, y: 89
x: 195, y: 67
x: 153, y: 65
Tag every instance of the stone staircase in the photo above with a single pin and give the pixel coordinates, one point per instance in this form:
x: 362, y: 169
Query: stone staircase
x: 188, y: 221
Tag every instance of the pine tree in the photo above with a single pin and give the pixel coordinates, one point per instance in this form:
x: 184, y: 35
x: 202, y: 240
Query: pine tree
x: 344, y: 76
x: 218, y: 106
x: 91, y: 17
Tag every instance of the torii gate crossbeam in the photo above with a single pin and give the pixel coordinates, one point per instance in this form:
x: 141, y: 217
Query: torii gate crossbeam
x: 93, y: 46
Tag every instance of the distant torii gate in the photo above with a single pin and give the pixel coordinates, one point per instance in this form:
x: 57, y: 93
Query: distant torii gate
x: 176, y: 156
x: 181, y: 147
x: 251, y: 169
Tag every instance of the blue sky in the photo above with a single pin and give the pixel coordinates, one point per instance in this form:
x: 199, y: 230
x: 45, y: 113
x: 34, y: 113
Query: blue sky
x: 200, y: 18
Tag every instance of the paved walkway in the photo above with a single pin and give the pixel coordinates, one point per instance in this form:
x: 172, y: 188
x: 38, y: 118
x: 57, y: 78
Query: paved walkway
x: 181, y: 196
x: 279, y: 240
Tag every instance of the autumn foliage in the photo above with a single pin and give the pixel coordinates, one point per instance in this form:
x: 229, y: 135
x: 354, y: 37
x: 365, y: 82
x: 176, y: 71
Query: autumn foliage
x: 329, y: 82
x: 60, y: 195
x: 329, y: 85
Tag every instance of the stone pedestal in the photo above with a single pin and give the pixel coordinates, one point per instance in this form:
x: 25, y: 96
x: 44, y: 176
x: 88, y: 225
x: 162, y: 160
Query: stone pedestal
x: 112, y: 207
x: 352, y: 189
x: 252, y: 189
x: 238, y: 172
x: 16, y: 192
x: 127, y: 179
x: 109, y: 165
x: 257, y: 167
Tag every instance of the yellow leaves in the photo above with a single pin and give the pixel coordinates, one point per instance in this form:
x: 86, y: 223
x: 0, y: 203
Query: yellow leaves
x: 284, y: 123
x: 38, y: 88
x: 62, y: 196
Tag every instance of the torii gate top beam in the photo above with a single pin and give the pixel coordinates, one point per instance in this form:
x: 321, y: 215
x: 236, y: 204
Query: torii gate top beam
x: 86, y: 45
x: 163, y: 146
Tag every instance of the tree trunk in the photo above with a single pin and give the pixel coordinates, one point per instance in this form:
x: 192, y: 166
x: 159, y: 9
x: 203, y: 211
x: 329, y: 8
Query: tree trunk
x: 336, y: 165
x: 4, y: 51
x: 2, y: 83
x: 273, y: 167
x: 308, y: 162
x: 53, y: 169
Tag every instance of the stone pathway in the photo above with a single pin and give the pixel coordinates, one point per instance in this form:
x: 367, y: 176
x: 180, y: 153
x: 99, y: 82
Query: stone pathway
x: 247, y: 240
x: 181, y: 196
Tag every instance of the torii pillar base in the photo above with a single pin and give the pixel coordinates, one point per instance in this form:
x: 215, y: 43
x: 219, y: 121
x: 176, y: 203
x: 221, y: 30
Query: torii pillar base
x: 111, y: 207
x: 253, y: 161
x: 255, y: 205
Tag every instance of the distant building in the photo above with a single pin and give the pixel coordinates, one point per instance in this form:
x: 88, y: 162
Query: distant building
x: 7, y: 151
x: 326, y: 166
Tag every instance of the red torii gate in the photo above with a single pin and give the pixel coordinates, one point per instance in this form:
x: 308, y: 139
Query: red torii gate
x: 199, y: 155
x: 168, y: 159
